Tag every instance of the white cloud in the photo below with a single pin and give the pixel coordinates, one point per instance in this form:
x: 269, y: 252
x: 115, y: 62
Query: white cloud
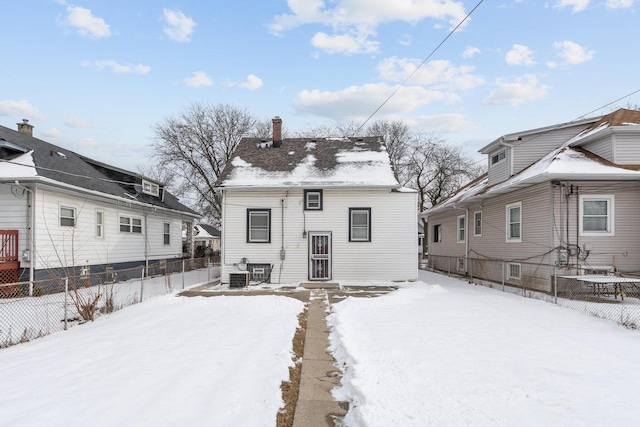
x: 405, y: 40
x: 359, y: 19
x: 253, y: 82
x: 199, y: 78
x: 20, y: 109
x: 522, y: 89
x: 442, y: 123
x: 116, y: 67
x: 442, y: 74
x: 576, y: 5
x: 357, y: 102
x: 618, y: 4
x: 519, y: 55
x: 178, y: 26
x: 470, y: 52
x: 86, y: 24
x: 344, y: 43
x: 52, y: 133
x: 76, y: 123
x: 573, y: 53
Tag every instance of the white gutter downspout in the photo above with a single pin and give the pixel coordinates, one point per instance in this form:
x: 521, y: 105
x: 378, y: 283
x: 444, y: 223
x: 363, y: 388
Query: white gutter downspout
x: 466, y: 238
x: 31, y: 224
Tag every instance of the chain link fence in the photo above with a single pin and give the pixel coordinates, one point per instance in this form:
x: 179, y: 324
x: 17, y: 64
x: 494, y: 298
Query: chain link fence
x: 601, y: 293
x: 31, y: 310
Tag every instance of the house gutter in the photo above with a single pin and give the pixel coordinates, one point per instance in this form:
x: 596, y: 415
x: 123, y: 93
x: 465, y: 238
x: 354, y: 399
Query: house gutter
x: 98, y: 195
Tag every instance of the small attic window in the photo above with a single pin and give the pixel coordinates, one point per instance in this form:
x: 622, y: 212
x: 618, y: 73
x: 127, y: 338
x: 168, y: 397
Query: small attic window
x: 150, y: 188
x: 498, y: 157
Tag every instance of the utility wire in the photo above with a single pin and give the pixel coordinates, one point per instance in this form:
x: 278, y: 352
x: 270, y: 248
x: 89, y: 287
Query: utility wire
x: 418, y: 67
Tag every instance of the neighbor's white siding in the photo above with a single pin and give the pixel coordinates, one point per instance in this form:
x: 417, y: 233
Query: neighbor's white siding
x: 627, y: 148
x: 58, y: 246
x: 14, y: 213
x: 390, y: 255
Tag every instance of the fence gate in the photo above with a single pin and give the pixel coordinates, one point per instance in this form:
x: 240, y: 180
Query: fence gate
x: 9, y: 262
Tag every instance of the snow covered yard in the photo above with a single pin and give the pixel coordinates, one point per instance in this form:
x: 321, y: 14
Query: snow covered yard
x: 450, y: 353
x: 171, y: 361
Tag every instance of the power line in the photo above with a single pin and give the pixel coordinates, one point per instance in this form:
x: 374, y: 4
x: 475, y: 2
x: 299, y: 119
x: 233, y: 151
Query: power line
x: 418, y: 67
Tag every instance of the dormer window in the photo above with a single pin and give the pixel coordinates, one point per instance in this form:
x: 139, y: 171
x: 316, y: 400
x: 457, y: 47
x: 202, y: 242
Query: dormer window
x: 498, y: 157
x: 150, y: 188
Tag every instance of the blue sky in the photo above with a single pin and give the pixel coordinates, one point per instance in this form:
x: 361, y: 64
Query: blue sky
x: 95, y: 76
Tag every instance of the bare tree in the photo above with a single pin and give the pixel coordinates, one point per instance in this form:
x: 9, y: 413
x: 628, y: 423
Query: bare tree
x: 397, y: 139
x: 197, y: 143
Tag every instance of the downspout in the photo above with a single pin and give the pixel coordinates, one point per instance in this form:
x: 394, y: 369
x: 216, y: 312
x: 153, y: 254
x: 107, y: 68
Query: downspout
x: 466, y: 238
x: 577, y: 226
x: 282, y: 251
x: 31, y: 204
x: 146, y: 240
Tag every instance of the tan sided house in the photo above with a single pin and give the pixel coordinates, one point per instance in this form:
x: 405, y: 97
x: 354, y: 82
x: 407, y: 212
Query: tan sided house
x: 326, y: 209
x: 563, y: 199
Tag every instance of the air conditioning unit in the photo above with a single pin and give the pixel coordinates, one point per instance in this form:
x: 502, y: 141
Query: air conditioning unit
x: 239, y: 280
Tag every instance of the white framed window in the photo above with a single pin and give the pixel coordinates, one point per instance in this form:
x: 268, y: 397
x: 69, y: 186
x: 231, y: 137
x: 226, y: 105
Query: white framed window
x: 130, y: 224
x: 166, y: 233
x: 313, y: 200
x: 597, y: 215
x: 150, y: 188
x: 462, y: 229
x: 498, y: 157
x: 67, y: 216
x: 514, y: 222
x: 514, y: 271
x: 436, y: 235
x: 359, y: 224
x: 460, y: 264
x: 99, y: 224
x: 477, y: 223
x: 258, y: 225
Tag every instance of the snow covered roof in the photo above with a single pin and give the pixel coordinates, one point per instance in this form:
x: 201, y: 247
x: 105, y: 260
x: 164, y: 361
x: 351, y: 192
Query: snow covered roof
x: 567, y: 162
x: 302, y: 162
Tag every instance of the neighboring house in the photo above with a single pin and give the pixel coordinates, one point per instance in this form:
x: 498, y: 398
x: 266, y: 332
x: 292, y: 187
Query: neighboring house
x: 61, y: 210
x: 204, y: 236
x: 563, y: 196
x: 316, y: 209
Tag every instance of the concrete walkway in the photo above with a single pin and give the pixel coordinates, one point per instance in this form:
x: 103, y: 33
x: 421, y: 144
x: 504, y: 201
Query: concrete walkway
x: 315, y: 406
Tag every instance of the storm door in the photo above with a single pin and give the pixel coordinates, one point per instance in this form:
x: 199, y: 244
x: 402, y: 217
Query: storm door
x: 319, y: 256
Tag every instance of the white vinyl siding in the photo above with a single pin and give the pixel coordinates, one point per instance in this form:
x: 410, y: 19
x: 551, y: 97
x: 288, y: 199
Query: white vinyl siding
x: 461, y: 234
x: 393, y: 230
x: 514, y: 222
x: 597, y: 215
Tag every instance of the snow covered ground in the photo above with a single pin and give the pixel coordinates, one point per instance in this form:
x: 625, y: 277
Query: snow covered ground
x: 171, y: 361
x: 450, y: 353
x: 442, y: 352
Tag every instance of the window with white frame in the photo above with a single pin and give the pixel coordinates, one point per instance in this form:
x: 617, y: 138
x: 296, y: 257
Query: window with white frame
x: 498, y: 157
x: 460, y: 264
x: 166, y: 233
x: 477, y: 223
x: 514, y: 222
x: 67, y: 216
x: 150, y: 188
x: 99, y: 224
x: 514, y: 271
x: 437, y: 233
x: 313, y: 200
x: 130, y: 224
x: 258, y: 225
x: 461, y: 228
x: 597, y: 215
x: 359, y: 224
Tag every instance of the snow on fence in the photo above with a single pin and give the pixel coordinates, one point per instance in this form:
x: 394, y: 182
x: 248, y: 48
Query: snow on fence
x: 616, y: 299
x: 31, y: 310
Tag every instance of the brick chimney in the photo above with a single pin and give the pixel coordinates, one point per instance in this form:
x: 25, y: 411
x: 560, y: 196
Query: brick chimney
x: 277, y: 131
x: 25, y: 127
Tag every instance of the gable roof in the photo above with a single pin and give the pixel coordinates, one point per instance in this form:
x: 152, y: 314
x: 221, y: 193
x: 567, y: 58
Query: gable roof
x: 565, y: 162
x: 302, y: 162
x: 207, y: 231
x: 25, y: 158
